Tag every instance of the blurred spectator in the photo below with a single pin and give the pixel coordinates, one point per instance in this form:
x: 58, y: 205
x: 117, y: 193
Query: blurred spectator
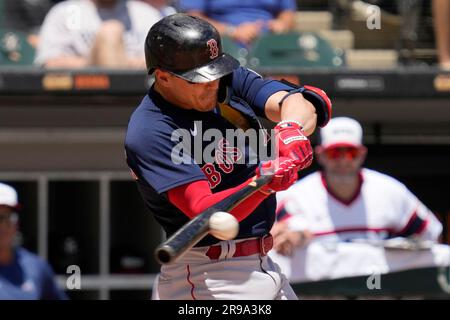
x: 164, y: 6
x: 244, y: 21
x: 104, y: 33
x: 441, y: 16
x: 344, y: 201
x: 26, y: 16
x: 23, y: 275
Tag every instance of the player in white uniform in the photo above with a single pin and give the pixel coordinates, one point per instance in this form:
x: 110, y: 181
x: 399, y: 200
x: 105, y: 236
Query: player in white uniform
x: 345, y: 201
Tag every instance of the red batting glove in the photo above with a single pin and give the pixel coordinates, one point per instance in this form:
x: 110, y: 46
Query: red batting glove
x: 284, y: 173
x: 293, y: 143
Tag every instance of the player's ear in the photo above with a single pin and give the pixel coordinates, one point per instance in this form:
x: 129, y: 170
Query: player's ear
x: 162, y: 77
x: 363, y: 153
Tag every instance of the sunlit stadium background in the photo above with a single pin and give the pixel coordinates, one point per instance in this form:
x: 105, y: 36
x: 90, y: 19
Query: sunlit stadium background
x: 62, y: 131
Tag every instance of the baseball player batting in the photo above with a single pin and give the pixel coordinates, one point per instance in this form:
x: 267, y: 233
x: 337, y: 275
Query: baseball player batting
x: 184, y: 158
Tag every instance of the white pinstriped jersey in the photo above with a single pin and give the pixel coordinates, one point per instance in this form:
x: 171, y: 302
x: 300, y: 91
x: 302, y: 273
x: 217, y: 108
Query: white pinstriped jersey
x: 383, y: 207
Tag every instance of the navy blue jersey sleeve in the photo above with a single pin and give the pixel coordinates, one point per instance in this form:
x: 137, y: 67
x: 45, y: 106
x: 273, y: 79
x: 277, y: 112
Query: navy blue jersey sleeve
x: 251, y: 87
x: 149, y: 154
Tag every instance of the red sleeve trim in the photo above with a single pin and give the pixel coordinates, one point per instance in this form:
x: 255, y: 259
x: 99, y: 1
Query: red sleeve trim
x: 415, y: 225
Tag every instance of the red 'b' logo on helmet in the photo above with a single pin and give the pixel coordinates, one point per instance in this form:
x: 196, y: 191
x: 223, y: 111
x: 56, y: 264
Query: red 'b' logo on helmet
x: 213, y: 48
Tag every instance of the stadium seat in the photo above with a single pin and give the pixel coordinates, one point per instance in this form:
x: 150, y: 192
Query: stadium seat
x: 15, y: 49
x: 305, y: 49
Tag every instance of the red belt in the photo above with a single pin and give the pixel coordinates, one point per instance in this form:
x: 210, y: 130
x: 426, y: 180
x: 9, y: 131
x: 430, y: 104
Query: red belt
x: 245, y: 248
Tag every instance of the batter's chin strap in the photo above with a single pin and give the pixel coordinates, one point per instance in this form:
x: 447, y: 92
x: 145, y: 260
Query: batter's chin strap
x: 318, y: 98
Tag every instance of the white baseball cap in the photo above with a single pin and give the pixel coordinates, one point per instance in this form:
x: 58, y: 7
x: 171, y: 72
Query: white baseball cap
x: 8, y: 196
x: 341, y: 131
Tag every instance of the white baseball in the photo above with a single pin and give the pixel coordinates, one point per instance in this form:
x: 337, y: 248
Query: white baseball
x: 223, y: 226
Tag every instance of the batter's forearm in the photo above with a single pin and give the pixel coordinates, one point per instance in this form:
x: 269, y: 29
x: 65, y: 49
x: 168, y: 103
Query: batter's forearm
x: 294, y: 107
x: 246, y: 207
x: 195, y: 197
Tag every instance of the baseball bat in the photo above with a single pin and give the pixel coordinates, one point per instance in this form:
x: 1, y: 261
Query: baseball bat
x: 197, y: 228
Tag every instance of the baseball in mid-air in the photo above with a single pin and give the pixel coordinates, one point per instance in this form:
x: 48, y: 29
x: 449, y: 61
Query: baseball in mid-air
x: 223, y: 226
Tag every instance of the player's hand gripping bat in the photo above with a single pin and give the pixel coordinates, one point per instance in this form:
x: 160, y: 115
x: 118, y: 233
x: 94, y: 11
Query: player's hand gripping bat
x: 197, y: 228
